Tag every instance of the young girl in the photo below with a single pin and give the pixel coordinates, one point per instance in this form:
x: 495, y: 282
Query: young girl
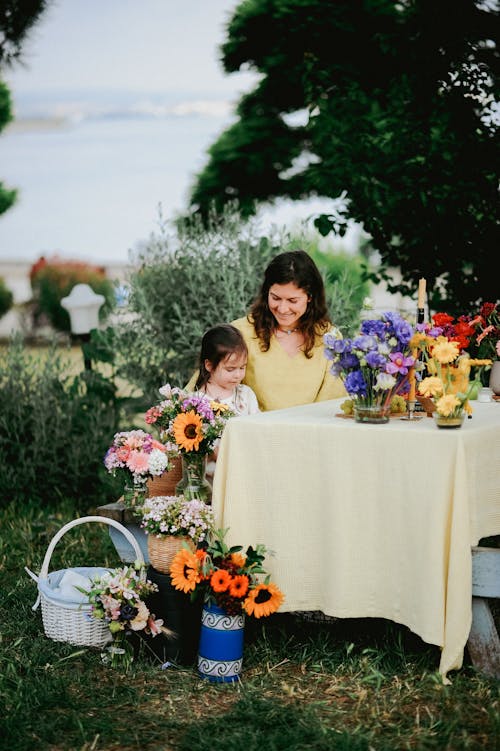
x: 222, y: 365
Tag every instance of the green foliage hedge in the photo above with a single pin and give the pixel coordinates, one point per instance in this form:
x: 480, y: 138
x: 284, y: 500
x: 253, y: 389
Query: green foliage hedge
x: 51, y: 280
x: 54, y: 430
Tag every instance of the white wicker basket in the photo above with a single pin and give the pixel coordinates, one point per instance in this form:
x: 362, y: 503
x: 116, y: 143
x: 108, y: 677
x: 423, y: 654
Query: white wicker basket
x: 71, y: 621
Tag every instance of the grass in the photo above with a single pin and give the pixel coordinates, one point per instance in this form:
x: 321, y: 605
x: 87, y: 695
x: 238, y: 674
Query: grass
x: 346, y: 685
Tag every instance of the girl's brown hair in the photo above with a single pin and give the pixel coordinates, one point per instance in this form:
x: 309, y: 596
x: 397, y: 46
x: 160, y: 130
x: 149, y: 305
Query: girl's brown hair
x: 217, y: 343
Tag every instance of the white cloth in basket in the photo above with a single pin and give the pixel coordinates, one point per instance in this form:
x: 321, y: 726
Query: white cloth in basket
x: 62, y: 585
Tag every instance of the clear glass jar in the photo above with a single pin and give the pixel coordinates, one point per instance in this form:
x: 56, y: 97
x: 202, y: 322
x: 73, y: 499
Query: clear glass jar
x: 194, y: 483
x: 452, y: 421
x: 373, y: 413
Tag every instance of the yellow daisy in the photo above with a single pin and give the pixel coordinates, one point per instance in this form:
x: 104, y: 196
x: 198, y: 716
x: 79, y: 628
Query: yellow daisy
x: 445, y: 351
x: 447, y: 404
x: 432, y: 386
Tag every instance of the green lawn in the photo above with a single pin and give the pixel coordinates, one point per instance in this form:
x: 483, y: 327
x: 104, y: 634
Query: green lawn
x: 343, y: 685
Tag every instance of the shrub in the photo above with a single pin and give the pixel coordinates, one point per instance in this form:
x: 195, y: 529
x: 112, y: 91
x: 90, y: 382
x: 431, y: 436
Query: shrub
x: 184, y: 283
x: 54, y: 429
x: 6, y: 298
x: 53, y: 279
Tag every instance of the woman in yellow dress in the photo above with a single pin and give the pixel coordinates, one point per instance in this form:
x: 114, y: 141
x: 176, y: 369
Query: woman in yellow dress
x: 284, y: 334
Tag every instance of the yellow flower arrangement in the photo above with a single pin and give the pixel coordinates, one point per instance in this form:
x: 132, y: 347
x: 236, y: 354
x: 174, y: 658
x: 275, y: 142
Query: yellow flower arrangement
x: 448, y: 381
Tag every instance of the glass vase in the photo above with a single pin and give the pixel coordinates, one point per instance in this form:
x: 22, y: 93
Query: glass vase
x: 373, y: 413
x: 451, y: 421
x: 193, y: 483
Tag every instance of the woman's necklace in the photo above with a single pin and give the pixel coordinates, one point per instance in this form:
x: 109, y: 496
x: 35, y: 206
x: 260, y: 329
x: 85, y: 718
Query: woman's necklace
x: 287, y: 331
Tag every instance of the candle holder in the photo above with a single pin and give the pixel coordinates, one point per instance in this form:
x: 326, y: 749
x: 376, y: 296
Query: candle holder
x: 410, y: 415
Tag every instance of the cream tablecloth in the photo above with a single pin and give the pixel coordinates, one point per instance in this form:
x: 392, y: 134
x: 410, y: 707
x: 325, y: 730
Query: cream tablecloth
x: 366, y: 520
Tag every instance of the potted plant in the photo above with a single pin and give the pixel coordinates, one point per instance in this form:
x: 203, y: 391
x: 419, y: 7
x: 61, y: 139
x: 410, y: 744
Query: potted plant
x: 138, y: 458
x: 233, y: 585
x: 189, y: 425
x: 172, y: 523
x: 374, y: 365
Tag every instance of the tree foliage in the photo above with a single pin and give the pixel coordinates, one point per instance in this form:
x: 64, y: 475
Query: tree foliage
x: 7, y: 195
x: 399, y: 97
x: 17, y: 18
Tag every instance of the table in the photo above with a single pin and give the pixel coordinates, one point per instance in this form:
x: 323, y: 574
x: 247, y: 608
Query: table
x: 366, y: 520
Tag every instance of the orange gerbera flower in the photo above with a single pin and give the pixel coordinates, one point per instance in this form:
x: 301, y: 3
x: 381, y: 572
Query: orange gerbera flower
x: 263, y: 600
x: 188, y: 430
x: 184, y: 571
x: 219, y: 581
x: 238, y: 586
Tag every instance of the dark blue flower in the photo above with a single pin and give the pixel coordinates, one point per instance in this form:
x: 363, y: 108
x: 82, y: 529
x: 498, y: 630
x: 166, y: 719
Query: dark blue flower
x: 355, y: 383
x: 376, y: 360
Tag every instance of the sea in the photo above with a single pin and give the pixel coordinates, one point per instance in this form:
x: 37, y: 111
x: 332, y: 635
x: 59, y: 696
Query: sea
x: 96, y: 173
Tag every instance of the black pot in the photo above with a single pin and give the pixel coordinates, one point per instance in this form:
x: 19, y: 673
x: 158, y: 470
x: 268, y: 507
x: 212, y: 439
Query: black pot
x: 180, y: 615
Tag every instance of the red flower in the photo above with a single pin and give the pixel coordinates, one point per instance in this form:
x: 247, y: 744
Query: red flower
x: 442, y: 319
x: 487, y: 309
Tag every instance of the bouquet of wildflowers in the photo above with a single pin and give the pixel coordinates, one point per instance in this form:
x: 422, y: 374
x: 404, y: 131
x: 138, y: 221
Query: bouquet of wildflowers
x: 139, y: 457
x: 188, y: 422
x: 448, y: 369
x: 173, y: 515
x: 227, y: 577
x: 116, y: 597
x: 374, y: 365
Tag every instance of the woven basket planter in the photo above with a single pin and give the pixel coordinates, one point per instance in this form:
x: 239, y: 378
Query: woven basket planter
x: 162, y: 550
x: 165, y: 483
x: 71, y: 621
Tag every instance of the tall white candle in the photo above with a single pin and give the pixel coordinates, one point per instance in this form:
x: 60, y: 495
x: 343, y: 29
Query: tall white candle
x: 421, y: 293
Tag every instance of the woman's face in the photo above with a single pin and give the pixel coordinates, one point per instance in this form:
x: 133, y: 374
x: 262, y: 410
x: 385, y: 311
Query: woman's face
x: 287, y: 303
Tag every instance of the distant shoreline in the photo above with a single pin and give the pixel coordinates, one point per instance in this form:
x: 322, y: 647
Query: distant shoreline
x: 29, y: 125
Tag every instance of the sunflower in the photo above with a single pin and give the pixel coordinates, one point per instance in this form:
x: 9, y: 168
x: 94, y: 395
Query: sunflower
x: 184, y: 571
x: 219, y: 581
x: 188, y: 430
x: 263, y: 600
x: 238, y: 586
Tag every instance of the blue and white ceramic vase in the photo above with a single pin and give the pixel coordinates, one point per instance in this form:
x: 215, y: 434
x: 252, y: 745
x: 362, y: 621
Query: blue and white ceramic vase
x: 220, y: 653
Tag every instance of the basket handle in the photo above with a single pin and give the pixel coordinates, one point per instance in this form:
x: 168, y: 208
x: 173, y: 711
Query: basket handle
x: 83, y: 520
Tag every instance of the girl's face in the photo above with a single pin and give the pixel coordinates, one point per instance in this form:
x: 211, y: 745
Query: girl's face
x: 287, y: 303
x: 229, y: 372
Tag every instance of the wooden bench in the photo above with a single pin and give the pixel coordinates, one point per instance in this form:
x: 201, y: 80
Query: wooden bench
x: 483, y: 643
x: 119, y: 513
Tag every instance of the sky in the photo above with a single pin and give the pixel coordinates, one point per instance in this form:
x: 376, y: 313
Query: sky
x: 168, y: 48
x: 143, y: 45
